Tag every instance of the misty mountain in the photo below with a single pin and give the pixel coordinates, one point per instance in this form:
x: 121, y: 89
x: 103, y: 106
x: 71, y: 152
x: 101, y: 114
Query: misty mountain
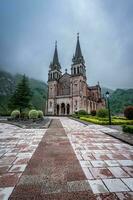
x: 120, y: 99
x: 104, y: 90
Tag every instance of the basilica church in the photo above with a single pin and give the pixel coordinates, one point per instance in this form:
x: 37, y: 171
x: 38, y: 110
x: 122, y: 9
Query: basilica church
x: 69, y: 93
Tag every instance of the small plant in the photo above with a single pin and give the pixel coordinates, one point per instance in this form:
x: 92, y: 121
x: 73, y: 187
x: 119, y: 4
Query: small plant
x: 82, y: 112
x: 128, y: 112
x: 15, y: 114
x: 127, y: 128
x: 33, y: 114
x: 93, y: 112
x: 40, y: 114
x: 102, y: 113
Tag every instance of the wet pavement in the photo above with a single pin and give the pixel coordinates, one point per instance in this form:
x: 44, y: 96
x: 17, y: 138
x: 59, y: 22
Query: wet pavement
x: 107, y: 162
x: 16, y: 148
x: 69, y: 160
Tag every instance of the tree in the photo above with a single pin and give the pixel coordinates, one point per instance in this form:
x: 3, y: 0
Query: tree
x: 22, y: 95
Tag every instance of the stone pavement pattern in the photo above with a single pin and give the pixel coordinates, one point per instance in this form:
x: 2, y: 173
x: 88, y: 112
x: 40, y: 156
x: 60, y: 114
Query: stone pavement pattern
x: 16, y: 148
x: 106, y: 161
x: 80, y: 162
x: 54, y: 171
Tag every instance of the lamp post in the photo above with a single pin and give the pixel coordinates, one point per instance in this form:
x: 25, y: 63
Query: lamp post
x: 108, y: 103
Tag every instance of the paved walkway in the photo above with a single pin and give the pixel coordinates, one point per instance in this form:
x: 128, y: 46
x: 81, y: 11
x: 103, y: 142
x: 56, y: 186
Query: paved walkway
x: 16, y: 149
x: 72, y: 161
x: 106, y: 161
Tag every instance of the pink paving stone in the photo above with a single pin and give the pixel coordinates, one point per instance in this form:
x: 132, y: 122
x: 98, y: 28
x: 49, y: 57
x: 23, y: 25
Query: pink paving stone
x: 101, y: 156
x: 101, y: 173
x: 5, y: 193
x: 88, y: 157
x: 98, y: 163
x: 4, y: 169
x: 9, y: 179
x: 118, y: 172
x: 129, y: 170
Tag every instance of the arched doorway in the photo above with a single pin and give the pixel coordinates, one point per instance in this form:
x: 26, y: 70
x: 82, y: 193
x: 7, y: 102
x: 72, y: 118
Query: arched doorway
x: 57, y: 109
x: 68, y: 109
x: 62, y: 109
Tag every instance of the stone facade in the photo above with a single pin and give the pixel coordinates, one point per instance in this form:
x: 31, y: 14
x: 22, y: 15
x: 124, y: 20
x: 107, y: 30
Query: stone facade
x: 68, y: 93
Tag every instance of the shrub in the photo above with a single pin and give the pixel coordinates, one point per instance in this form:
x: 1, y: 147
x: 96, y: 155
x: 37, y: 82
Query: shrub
x: 15, y: 114
x: 82, y: 112
x: 25, y: 113
x: 128, y: 112
x: 127, y: 128
x: 119, y: 117
x: 93, y: 112
x: 102, y: 113
x: 104, y: 121
x: 40, y: 114
x: 33, y: 114
x: 94, y: 120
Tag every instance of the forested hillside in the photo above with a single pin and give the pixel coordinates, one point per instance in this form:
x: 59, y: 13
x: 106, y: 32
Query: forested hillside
x: 8, y: 83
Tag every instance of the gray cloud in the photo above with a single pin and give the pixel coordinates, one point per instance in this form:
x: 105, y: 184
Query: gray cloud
x: 29, y: 29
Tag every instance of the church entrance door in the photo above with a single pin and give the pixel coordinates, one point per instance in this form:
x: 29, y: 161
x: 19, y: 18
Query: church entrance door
x: 62, y: 109
x: 57, y: 109
x: 68, y: 109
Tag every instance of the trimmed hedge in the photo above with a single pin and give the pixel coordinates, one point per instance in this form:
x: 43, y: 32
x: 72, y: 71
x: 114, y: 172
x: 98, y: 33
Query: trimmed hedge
x: 106, y: 122
x: 33, y: 114
x: 40, y: 114
x: 127, y: 128
x: 15, y: 114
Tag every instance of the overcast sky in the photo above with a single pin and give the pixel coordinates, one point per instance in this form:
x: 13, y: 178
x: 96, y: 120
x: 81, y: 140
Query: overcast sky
x: 29, y: 28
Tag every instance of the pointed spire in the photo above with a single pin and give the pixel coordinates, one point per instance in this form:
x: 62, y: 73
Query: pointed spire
x: 55, y: 63
x: 78, y: 53
x: 55, y: 58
